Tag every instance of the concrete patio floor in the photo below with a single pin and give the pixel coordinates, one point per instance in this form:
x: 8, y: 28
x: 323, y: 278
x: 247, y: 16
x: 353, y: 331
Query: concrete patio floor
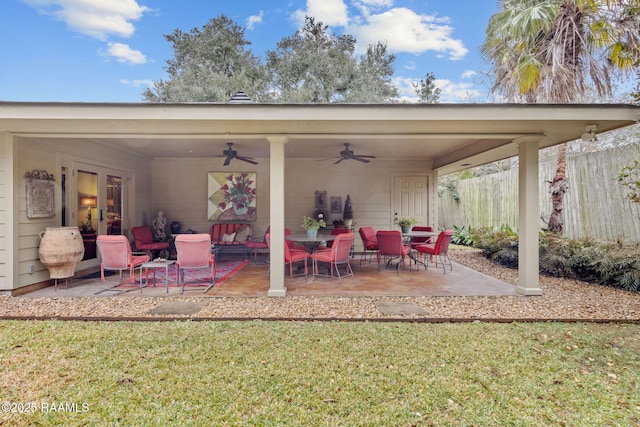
x: 253, y: 281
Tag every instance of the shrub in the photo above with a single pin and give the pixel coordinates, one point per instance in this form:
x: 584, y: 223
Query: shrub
x: 609, y: 263
x: 462, y: 236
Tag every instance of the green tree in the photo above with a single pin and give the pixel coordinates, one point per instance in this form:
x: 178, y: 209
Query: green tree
x: 315, y: 66
x: 426, y: 90
x: 210, y: 65
x: 553, y: 50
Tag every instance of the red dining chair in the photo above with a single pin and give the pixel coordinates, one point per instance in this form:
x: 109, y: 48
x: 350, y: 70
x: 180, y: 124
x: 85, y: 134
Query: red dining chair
x: 143, y: 241
x: 194, y: 253
x: 336, y: 255
x: 115, y: 254
x: 292, y: 256
x: 369, y: 242
x: 391, y: 246
x: 258, y: 245
x: 416, y: 241
x: 439, y: 248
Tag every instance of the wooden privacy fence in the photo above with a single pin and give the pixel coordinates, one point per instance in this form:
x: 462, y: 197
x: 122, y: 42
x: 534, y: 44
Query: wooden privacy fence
x: 594, y: 205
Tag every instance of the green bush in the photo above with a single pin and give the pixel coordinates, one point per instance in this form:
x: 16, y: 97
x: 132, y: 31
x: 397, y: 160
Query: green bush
x: 462, y: 236
x: 609, y: 263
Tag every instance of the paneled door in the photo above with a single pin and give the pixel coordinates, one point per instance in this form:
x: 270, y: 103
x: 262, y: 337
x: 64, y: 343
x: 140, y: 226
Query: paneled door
x: 411, y: 198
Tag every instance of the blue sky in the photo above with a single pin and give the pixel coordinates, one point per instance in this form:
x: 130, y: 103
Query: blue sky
x: 110, y: 50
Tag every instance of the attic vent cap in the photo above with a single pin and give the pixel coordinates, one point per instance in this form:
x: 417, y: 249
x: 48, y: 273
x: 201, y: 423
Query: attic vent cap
x: 240, y: 98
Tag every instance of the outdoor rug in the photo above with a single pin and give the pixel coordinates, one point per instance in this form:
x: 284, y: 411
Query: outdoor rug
x: 192, y: 278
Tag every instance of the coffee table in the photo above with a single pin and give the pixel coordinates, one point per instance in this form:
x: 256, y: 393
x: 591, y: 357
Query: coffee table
x: 155, y: 265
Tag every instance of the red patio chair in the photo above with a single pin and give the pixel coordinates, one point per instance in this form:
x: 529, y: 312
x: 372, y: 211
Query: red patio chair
x: 369, y: 242
x: 439, y: 248
x: 417, y: 241
x: 338, y: 254
x: 258, y: 245
x: 143, y: 240
x: 194, y: 252
x: 391, y: 246
x: 115, y: 254
x: 292, y: 256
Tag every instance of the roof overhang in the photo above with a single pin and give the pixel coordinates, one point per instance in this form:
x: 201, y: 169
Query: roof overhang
x: 452, y: 136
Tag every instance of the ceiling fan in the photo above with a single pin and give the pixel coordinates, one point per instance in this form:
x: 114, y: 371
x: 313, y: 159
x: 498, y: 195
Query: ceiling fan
x: 230, y: 154
x: 348, y: 154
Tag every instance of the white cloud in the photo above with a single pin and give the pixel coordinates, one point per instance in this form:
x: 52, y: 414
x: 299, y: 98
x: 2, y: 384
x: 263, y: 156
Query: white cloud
x: 95, y: 18
x: 254, y: 19
x: 137, y: 82
x: 467, y: 74
x: 123, y: 53
x: 406, y: 31
x: 330, y: 12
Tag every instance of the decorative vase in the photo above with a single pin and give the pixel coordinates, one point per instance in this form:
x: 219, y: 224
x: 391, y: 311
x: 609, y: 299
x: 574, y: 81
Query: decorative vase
x: 312, y: 232
x: 240, y: 210
x: 175, y: 227
x: 61, y: 249
x: 348, y: 223
x: 405, y: 228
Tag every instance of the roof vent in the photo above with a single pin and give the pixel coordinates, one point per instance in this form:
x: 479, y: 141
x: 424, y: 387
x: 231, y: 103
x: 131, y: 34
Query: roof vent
x: 240, y: 98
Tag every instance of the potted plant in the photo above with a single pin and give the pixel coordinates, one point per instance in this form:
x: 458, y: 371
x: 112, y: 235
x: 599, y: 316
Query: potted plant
x: 313, y: 224
x: 405, y: 223
x: 347, y: 215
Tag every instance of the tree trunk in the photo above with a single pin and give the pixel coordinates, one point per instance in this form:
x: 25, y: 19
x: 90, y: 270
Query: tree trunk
x: 558, y: 187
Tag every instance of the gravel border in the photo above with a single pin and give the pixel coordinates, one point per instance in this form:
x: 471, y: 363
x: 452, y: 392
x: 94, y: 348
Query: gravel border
x: 562, y: 300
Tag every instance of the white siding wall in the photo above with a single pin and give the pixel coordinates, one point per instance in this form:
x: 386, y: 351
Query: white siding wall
x: 180, y: 189
x: 6, y: 213
x: 48, y: 155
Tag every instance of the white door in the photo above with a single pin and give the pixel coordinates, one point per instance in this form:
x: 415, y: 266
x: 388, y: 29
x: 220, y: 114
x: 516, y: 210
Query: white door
x: 411, y: 198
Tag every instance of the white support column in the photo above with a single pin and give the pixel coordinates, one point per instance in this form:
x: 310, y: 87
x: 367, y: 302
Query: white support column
x: 528, y: 257
x: 276, y: 216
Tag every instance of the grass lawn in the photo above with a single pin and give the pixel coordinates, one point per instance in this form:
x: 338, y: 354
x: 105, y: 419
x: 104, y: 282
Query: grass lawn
x: 319, y: 374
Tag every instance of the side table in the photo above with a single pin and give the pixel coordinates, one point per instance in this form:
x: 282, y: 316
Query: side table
x: 153, y: 265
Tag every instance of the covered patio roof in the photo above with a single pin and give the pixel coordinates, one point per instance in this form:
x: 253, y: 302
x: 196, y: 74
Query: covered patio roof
x: 452, y: 137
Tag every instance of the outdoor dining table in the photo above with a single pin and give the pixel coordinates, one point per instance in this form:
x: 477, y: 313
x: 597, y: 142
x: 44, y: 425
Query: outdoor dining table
x: 310, y: 243
x: 408, y: 240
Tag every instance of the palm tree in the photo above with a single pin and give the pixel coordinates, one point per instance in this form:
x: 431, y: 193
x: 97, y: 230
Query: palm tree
x: 554, y: 50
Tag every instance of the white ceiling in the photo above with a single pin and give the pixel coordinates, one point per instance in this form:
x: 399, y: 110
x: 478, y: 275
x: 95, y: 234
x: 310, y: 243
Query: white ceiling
x: 451, y: 135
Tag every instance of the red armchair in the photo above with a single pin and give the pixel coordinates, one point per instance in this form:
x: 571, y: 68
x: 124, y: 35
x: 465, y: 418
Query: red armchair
x: 336, y: 255
x: 439, y: 248
x: 391, y: 246
x: 143, y: 241
x: 291, y: 256
x: 369, y: 242
x: 115, y: 254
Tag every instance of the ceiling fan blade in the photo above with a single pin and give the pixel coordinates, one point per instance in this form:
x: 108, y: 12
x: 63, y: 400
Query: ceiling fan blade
x: 247, y: 159
x: 227, y: 161
x: 366, y: 157
x: 339, y: 161
x: 360, y: 159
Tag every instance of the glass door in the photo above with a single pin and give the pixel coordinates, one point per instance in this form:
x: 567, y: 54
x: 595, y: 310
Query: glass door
x: 100, y: 204
x: 87, y: 182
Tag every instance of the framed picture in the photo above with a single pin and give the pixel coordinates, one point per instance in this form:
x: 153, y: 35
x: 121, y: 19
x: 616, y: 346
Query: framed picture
x: 336, y: 204
x: 231, y: 196
x: 321, y: 200
x: 40, y: 195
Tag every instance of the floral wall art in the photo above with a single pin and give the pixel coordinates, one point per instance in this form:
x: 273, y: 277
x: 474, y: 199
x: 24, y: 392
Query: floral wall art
x: 231, y: 196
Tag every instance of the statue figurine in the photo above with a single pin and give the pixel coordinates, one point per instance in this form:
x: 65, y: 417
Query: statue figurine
x: 159, y: 224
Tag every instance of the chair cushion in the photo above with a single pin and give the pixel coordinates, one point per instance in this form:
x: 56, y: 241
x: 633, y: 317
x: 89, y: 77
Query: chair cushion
x: 242, y: 234
x: 228, y: 238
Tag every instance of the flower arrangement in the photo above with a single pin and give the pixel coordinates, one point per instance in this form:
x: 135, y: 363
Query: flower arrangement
x: 310, y: 223
x: 238, y: 192
x: 405, y: 222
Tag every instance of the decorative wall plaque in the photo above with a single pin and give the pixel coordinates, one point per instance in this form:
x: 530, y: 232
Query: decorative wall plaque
x: 40, y: 194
